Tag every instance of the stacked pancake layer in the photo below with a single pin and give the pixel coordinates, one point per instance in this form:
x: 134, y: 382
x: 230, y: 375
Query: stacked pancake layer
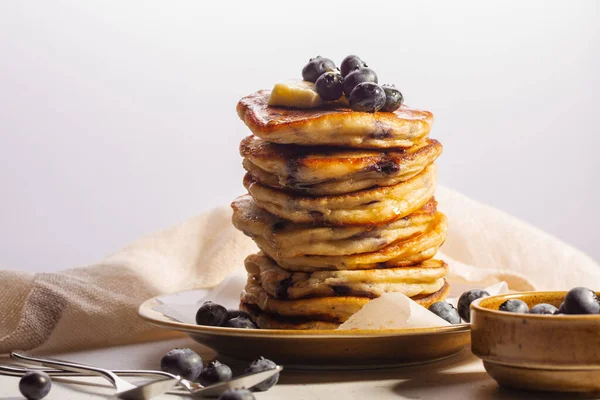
x: 341, y: 205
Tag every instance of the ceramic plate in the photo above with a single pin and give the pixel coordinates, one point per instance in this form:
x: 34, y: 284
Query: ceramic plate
x: 322, y: 349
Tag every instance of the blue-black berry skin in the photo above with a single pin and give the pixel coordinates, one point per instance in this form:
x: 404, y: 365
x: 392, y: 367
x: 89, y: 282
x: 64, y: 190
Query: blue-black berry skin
x: 445, y: 311
x: 350, y: 64
x: 514, y: 306
x: 465, y: 300
x: 237, y: 313
x: 581, y: 300
x: 35, y: 385
x: 329, y: 86
x: 240, y: 394
x: 262, y: 364
x: 215, y: 372
x: 183, y: 362
x: 316, y: 67
x: 561, y: 309
x: 241, y: 322
x: 393, y: 98
x: 357, y: 77
x: 367, y: 97
x: 211, y: 314
x: 543, y: 308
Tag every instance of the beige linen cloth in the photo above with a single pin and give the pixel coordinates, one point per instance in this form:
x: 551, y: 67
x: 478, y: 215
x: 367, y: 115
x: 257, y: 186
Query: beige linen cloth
x: 97, y: 305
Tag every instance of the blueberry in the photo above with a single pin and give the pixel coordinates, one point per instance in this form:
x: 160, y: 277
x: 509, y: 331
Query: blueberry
x: 262, y: 364
x: 240, y: 394
x: 316, y: 67
x: 215, y: 372
x: 367, y: 97
x: 543, y: 308
x: 211, y: 314
x: 183, y: 362
x: 445, y: 311
x: 329, y: 86
x: 237, y: 313
x: 241, y: 322
x: 581, y: 300
x: 356, y: 77
x: 351, y: 63
x: 465, y: 300
x: 561, y: 309
x: 393, y: 98
x: 35, y: 385
x: 514, y: 306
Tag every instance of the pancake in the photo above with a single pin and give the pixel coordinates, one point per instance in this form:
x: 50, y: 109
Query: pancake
x: 398, y: 254
x: 271, y: 320
x: 375, y: 206
x: 333, y: 125
x: 290, y: 239
x: 318, y: 171
x: 424, y: 278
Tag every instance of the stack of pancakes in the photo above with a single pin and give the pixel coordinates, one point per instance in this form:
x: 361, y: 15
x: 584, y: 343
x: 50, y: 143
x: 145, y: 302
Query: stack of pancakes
x: 341, y: 206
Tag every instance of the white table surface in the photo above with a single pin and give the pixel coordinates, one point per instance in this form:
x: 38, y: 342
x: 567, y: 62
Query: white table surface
x: 461, y: 377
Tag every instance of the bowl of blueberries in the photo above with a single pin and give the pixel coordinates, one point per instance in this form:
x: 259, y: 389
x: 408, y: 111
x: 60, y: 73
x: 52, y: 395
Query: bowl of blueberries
x: 547, y: 341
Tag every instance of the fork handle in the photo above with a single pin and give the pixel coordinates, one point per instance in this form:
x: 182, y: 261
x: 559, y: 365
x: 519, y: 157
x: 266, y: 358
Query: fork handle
x: 69, y: 366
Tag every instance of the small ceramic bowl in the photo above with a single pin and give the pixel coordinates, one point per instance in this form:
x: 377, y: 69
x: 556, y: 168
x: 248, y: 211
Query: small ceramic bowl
x: 537, y: 352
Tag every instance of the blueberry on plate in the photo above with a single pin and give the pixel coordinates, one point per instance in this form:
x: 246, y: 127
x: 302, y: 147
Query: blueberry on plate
x: 393, y: 98
x: 543, y: 308
x: 215, y: 372
x: 329, y: 86
x: 514, y: 306
x: 241, y: 322
x: 237, y: 313
x: 367, y: 97
x: 259, y: 365
x: 581, y: 300
x: 211, y: 314
x: 183, y: 362
x: 465, y: 300
x: 35, y: 385
x: 240, y: 394
x: 445, y: 311
x: 316, y: 67
x: 351, y: 63
x: 356, y: 77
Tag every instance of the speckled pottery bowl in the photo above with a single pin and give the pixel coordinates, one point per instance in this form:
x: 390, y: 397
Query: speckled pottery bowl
x: 537, y: 352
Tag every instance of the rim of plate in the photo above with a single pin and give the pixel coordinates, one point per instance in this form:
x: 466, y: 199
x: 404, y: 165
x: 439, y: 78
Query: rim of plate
x: 147, y: 313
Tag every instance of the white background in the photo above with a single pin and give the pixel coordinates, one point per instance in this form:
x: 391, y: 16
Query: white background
x: 118, y: 118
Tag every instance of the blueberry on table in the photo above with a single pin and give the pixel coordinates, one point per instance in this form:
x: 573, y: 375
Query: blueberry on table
x: 393, y: 98
x: 465, y: 300
x: 240, y: 394
x: 356, y: 77
x: 183, y: 362
x: 543, y: 308
x: 514, y: 306
x: 445, y: 311
x: 581, y: 300
x: 259, y: 365
x: 316, y: 67
x: 211, y: 314
x: 351, y: 63
x: 367, y: 97
x: 329, y: 86
x: 241, y: 322
x: 35, y: 385
x: 215, y: 372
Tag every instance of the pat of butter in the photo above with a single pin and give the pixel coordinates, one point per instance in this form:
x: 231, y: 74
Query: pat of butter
x: 295, y: 94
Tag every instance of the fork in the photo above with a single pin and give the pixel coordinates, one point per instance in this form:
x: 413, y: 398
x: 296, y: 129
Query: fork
x: 124, y: 389
x: 195, y: 389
